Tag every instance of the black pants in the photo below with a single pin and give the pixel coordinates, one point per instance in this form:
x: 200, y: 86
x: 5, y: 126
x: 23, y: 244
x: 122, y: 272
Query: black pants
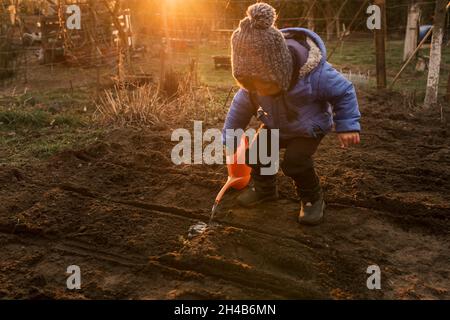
x: 297, y: 164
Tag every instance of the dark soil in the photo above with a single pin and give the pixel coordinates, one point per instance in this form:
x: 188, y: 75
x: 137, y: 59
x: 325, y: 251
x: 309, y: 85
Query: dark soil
x: 121, y: 211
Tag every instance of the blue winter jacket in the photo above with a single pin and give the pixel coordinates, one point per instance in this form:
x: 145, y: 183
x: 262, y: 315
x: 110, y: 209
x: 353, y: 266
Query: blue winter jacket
x: 310, y: 107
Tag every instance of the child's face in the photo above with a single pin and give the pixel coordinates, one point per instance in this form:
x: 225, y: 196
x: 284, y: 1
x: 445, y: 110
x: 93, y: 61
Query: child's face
x: 263, y: 88
x: 266, y: 88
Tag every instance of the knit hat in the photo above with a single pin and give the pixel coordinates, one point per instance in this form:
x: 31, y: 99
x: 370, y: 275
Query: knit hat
x: 258, y: 48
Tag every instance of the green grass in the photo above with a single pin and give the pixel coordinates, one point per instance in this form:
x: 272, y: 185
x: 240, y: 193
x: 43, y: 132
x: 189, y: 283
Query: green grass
x: 356, y: 54
x: 35, y: 126
x: 359, y: 55
x: 207, y: 72
x: 38, y: 145
x: 55, y: 100
x: 10, y: 119
x: 18, y: 119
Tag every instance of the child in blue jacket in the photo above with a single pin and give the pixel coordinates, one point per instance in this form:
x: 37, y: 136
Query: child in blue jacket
x: 284, y: 76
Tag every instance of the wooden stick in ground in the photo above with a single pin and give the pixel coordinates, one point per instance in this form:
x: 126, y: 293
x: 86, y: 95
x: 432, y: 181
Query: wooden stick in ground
x: 310, y: 20
x: 337, y: 19
x: 380, y: 47
x: 448, y: 88
x: 26, y: 67
x: 162, y: 68
x: 411, y: 57
x: 228, y: 97
x: 327, y: 13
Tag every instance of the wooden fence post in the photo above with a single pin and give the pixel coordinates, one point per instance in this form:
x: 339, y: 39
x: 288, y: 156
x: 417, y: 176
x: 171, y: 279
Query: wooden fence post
x: 380, y: 47
x: 448, y: 88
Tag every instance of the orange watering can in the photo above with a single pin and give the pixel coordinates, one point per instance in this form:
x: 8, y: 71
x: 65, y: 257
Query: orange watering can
x: 238, y: 174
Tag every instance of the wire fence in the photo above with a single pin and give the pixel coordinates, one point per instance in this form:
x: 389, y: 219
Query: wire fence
x: 198, y: 43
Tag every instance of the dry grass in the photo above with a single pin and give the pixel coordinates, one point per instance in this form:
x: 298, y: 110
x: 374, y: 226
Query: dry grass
x: 195, y: 102
x: 148, y: 105
x: 142, y: 106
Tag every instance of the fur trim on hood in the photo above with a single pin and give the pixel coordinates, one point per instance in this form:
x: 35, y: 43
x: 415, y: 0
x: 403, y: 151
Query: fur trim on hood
x: 314, y: 59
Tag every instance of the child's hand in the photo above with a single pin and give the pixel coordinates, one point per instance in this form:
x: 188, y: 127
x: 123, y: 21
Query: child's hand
x: 348, y: 138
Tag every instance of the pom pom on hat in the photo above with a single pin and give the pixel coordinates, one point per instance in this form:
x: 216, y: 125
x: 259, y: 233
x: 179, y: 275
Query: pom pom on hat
x: 261, y: 15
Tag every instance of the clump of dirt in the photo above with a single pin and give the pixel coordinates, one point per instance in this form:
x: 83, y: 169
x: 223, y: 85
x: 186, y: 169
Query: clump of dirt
x: 121, y: 211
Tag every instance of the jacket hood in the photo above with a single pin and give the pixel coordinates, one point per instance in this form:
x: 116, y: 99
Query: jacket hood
x: 310, y: 34
x: 317, y: 50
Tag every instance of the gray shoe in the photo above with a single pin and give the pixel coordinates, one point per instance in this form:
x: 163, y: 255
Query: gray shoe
x: 311, y: 213
x: 259, y: 191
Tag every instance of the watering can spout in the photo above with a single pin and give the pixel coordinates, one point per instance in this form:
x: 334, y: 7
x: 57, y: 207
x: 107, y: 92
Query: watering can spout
x: 238, y: 173
x: 231, y: 182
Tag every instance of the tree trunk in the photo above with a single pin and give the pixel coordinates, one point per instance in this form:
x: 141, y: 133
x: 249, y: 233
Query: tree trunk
x: 431, y: 96
x: 412, y: 30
